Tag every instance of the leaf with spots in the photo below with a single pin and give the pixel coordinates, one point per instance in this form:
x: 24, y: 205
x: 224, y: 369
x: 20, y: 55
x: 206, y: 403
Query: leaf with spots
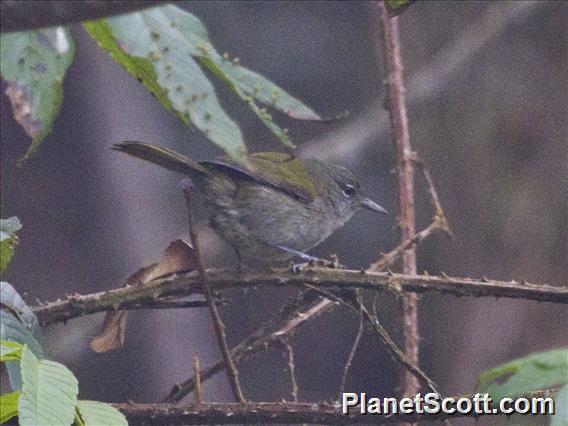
x: 33, y: 64
x: 148, y: 47
x: 166, y: 48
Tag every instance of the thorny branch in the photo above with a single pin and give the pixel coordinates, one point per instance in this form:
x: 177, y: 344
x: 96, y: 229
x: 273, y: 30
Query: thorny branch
x: 277, y: 412
x: 405, y: 173
x: 218, y: 325
x: 188, y: 284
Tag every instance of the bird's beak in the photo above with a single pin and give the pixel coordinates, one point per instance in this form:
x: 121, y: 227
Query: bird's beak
x: 371, y: 205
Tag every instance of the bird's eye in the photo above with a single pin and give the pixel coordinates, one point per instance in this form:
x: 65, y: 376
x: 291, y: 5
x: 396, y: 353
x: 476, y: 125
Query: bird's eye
x: 349, y: 191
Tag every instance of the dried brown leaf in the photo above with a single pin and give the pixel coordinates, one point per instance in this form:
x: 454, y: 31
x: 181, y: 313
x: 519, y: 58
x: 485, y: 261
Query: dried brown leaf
x: 178, y: 258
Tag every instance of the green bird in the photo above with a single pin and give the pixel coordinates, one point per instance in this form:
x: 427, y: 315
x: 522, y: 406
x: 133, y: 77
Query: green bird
x: 272, y: 206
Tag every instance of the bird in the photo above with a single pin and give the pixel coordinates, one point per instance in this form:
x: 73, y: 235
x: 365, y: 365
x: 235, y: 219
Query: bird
x: 270, y: 207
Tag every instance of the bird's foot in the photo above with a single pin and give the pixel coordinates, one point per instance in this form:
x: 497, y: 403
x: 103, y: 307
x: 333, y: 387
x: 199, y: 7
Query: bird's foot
x: 310, y: 261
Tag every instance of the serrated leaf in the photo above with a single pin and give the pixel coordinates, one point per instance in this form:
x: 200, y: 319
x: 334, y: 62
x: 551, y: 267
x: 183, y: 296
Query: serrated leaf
x: 33, y: 65
x: 9, y: 406
x: 10, y: 351
x: 95, y: 413
x: 8, y: 240
x: 17, y: 324
x: 534, y: 372
x: 49, y: 392
x: 560, y: 416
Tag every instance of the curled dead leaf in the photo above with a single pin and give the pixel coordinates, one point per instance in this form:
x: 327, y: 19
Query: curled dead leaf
x: 178, y: 258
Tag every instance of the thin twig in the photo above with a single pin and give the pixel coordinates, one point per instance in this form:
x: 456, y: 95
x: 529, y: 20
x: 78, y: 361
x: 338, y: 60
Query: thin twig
x: 291, y: 317
x: 439, y: 222
x: 289, y: 351
x: 218, y: 325
x: 352, y: 352
x: 439, y: 215
x: 396, y: 353
x: 198, y: 391
x: 405, y: 172
x: 393, y: 256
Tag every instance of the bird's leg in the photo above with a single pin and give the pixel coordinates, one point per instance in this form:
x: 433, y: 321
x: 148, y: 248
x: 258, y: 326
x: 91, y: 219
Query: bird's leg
x: 309, y: 260
x: 305, y: 257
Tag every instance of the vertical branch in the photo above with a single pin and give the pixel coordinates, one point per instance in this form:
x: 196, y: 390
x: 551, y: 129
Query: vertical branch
x: 291, y: 367
x: 405, y: 174
x: 232, y: 371
x: 198, y: 391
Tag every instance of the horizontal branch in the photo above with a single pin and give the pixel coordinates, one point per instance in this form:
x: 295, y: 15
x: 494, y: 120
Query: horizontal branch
x: 278, y: 413
x: 331, y: 279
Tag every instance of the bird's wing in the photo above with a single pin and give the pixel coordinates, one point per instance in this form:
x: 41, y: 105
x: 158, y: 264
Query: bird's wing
x: 280, y: 171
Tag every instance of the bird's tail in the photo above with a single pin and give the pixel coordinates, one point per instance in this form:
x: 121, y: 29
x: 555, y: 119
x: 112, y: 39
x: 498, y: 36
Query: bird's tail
x: 162, y: 157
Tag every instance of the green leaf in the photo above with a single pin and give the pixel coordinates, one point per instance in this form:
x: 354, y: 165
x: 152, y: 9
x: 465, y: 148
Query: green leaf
x: 560, y: 416
x: 9, y: 227
x: 162, y: 47
x: 396, y: 7
x: 10, y: 351
x: 13, y: 303
x: 49, y: 392
x: 9, y: 406
x: 33, y: 65
x: 148, y: 47
x: 95, y: 413
x: 226, y: 72
x: 18, y: 324
x: 8, y: 240
x: 534, y: 372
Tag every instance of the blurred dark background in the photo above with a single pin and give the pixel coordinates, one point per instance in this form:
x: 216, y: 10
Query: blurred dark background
x: 487, y: 94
